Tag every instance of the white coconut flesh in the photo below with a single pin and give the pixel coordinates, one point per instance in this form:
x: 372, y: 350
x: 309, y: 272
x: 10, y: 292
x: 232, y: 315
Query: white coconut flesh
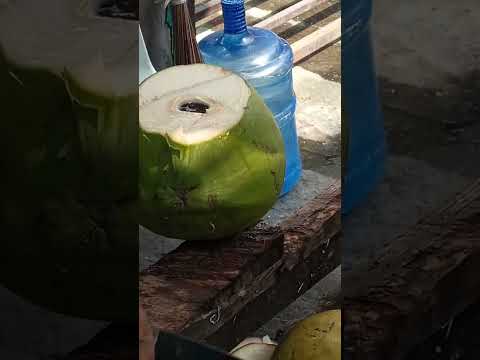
x: 62, y: 36
x: 255, y: 351
x: 254, y: 340
x: 192, y: 104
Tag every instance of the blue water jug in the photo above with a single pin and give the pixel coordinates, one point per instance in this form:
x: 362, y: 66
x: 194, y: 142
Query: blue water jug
x: 365, y: 151
x: 265, y: 61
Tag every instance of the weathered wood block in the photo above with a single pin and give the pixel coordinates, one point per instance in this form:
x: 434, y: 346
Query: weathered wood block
x: 430, y: 274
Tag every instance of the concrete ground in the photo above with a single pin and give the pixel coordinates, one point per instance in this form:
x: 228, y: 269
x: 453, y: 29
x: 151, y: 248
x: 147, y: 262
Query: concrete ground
x: 428, y: 61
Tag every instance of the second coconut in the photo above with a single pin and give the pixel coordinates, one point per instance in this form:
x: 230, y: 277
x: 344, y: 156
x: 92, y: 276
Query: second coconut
x: 212, y: 159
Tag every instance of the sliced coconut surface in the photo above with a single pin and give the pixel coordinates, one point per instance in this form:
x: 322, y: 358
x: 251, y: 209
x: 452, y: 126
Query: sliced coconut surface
x: 192, y: 104
x: 254, y: 340
x: 63, y: 36
x: 255, y: 351
x: 114, y: 78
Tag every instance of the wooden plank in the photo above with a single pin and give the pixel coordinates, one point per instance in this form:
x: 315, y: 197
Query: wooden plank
x: 289, y: 13
x: 200, y: 287
x: 182, y: 288
x: 207, y: 8
x: 288, y: 285
x: 303, y: 48
x: 312, y: 249
x: 427, y: 276
x: 317, y: 40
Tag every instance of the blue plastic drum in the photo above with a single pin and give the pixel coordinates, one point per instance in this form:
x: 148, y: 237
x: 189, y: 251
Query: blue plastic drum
x: 365, y: 155
x: 265, y: 61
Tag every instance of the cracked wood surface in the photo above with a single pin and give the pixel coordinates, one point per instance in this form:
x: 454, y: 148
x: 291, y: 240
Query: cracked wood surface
x: 220, y: 293
x: 200, y: 286
x: 421, y: 281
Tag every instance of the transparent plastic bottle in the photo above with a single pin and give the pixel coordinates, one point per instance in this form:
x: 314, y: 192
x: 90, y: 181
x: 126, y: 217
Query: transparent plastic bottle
x: 145, y: 67
x: 265, y: 60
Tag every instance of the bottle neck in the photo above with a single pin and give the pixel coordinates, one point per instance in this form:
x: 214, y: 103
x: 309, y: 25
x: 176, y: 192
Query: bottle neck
x: 235, y: 22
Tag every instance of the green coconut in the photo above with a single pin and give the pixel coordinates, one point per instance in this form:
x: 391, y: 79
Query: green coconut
x: 107, y: 119
x: 62, y: 74
x: 316, y: 338
x: 211, y: 156
x: 98, y: 60
x: 254, y: 351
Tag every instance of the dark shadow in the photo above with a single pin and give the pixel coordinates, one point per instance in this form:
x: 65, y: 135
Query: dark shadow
x: 439, y: 127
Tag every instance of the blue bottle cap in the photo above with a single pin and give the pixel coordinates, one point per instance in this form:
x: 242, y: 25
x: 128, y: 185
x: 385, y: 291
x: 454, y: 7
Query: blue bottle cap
x: 234, y: 16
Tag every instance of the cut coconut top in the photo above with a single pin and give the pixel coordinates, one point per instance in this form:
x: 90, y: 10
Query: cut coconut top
x: 192, y: 104
x: 100, y: 53
x: 108, y: 77
x: 254, y: 340
x: 255, y: 351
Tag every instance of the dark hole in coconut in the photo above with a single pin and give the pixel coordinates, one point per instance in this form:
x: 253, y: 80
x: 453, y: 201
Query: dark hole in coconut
x: 194, y: 106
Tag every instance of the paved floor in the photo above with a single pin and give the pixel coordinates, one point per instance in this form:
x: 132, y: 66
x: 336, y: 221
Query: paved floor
x: 427, y: 44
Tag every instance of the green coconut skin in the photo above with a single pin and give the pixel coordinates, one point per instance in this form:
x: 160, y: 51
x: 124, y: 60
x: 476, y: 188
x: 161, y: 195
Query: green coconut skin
x: 215, y: 189
x: 59, y: 251
x: 108, y: 131
x: 40, y: 136
x: 317, y: 337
